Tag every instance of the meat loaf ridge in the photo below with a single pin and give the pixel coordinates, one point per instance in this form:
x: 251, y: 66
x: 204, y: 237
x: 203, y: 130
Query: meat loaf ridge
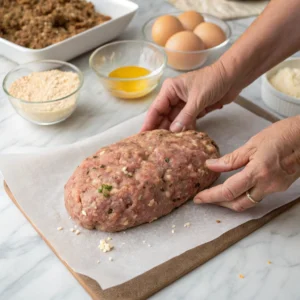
x: 139, y: 179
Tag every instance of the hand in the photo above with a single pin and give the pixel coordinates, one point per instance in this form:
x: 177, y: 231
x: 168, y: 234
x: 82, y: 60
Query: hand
x: 272, y: 163
x: 187, y: 97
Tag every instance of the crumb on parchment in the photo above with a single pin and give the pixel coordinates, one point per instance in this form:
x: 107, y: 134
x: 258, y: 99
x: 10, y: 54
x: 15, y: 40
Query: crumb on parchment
x: 105, y: 246
x: 218, y: 221
x: 269, y: 262
x: 188, y: 224
x: 60, y: 228
x: 241, y: 276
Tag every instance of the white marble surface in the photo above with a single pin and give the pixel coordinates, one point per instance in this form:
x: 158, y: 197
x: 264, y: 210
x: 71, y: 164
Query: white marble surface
x: 28, y: 268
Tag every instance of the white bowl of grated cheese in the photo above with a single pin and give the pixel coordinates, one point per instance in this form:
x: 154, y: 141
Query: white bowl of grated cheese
x: 44, y: 92
x: 280, y: 88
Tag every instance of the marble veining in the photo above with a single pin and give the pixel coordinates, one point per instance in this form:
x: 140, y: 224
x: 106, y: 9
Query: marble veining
x: 28, y: 268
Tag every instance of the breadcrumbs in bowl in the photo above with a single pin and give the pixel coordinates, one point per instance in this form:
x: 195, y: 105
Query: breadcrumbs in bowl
x: 44, y: 92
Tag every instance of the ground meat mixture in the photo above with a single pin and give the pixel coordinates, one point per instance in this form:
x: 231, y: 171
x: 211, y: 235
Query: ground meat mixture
x: 37, y: 24
x: 139, y: 179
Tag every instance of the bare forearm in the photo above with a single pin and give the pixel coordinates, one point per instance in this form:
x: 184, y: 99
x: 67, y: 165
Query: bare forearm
x: 274, y: 36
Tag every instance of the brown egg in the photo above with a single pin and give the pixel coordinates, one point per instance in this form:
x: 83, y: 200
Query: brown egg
x: 181, y: 49
x: 211, y: 34
x: 184, y: 41
x: 164, y: 27
x: 190, y: 19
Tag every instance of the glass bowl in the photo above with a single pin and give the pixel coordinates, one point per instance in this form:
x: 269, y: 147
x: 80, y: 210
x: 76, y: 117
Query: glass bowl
x: 43, y: 112
x: 190, y: 60
x: 115, y: 55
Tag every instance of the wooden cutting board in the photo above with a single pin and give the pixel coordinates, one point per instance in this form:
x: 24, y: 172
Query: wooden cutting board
x: 149, y: 283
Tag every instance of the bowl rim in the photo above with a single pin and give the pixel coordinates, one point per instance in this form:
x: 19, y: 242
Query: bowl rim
x: 152, y: 74
x: 266, y: 82
x: 192, y: 52
x: 79, y: 73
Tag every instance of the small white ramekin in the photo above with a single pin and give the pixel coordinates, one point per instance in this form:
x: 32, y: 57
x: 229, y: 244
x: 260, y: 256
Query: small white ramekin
x: 281, y: 103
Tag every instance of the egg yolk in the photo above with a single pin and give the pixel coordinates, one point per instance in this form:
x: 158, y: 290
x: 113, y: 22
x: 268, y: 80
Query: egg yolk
x: 128, y: 72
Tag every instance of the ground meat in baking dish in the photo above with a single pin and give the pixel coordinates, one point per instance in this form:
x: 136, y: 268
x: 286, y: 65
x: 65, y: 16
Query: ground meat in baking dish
x: 139, y: 179
x: 37, y: 24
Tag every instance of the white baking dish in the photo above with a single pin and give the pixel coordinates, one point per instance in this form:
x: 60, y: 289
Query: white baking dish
x: 283, y: 104
x: 121, y: 12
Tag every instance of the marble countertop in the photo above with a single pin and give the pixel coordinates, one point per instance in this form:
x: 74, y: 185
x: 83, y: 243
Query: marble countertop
x: 28, y: 268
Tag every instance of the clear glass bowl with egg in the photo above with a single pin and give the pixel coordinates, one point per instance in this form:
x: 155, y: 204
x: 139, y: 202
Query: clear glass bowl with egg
x: 190, y: 60
x: 129, y: 69
x: 44, y: 111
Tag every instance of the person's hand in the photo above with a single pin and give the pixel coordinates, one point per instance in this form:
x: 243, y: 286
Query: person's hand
x: 187, y: 97
x: 272, y: 163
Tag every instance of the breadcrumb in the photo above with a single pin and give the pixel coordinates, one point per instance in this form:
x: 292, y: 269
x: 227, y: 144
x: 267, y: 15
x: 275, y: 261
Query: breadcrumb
x: 77, y: 232
x: 110, y: 259
x: 173, y: 231
x: 218, y: 221
x: 72, y: 229
x: 269, y: 262
x: 188, y: 224
x: 173, y: 226
x: 241, y: 276
x: 83, y: 212
x: 60, y: 228
x: 104, y: 246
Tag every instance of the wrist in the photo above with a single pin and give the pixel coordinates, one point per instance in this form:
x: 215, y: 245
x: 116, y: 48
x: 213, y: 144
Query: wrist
x: 235, y: 68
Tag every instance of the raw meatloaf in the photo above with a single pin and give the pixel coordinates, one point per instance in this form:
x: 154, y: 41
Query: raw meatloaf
x: 139, y: 179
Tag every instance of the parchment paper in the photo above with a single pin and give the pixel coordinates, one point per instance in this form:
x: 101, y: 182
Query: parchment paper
x: 37, y: 180
x: 223, y: 9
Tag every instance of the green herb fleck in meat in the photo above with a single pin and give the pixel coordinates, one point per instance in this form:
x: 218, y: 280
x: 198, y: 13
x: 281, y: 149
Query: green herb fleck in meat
x: 105, y: 189
x: 106, y: 193
x: 167, y: 160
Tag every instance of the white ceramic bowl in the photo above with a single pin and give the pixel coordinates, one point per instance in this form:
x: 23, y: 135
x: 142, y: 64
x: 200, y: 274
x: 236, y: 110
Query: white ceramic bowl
x: 281, y: 103
x: 121, y: 12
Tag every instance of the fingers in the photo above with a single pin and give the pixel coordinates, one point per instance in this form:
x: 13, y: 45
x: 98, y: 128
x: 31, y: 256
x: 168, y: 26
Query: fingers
x: 231, y: 189
x: 167, y: 120
x: 152, y: 120
x: 243, y: 202
x: 231, y: 161
x: 162, y: 105
x: 213, y: 107
x: 185, y: 118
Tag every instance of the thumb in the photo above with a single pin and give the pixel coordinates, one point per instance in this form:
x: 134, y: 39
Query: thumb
x: 185, y: 118
x: 230, y: 161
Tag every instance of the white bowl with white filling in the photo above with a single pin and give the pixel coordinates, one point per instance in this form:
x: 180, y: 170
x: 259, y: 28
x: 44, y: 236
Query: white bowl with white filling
x: 280, y: 89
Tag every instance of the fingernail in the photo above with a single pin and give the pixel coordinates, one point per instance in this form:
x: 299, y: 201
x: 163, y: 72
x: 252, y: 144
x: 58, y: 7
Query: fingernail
x: 177, y: 127
x: 211, y: 161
